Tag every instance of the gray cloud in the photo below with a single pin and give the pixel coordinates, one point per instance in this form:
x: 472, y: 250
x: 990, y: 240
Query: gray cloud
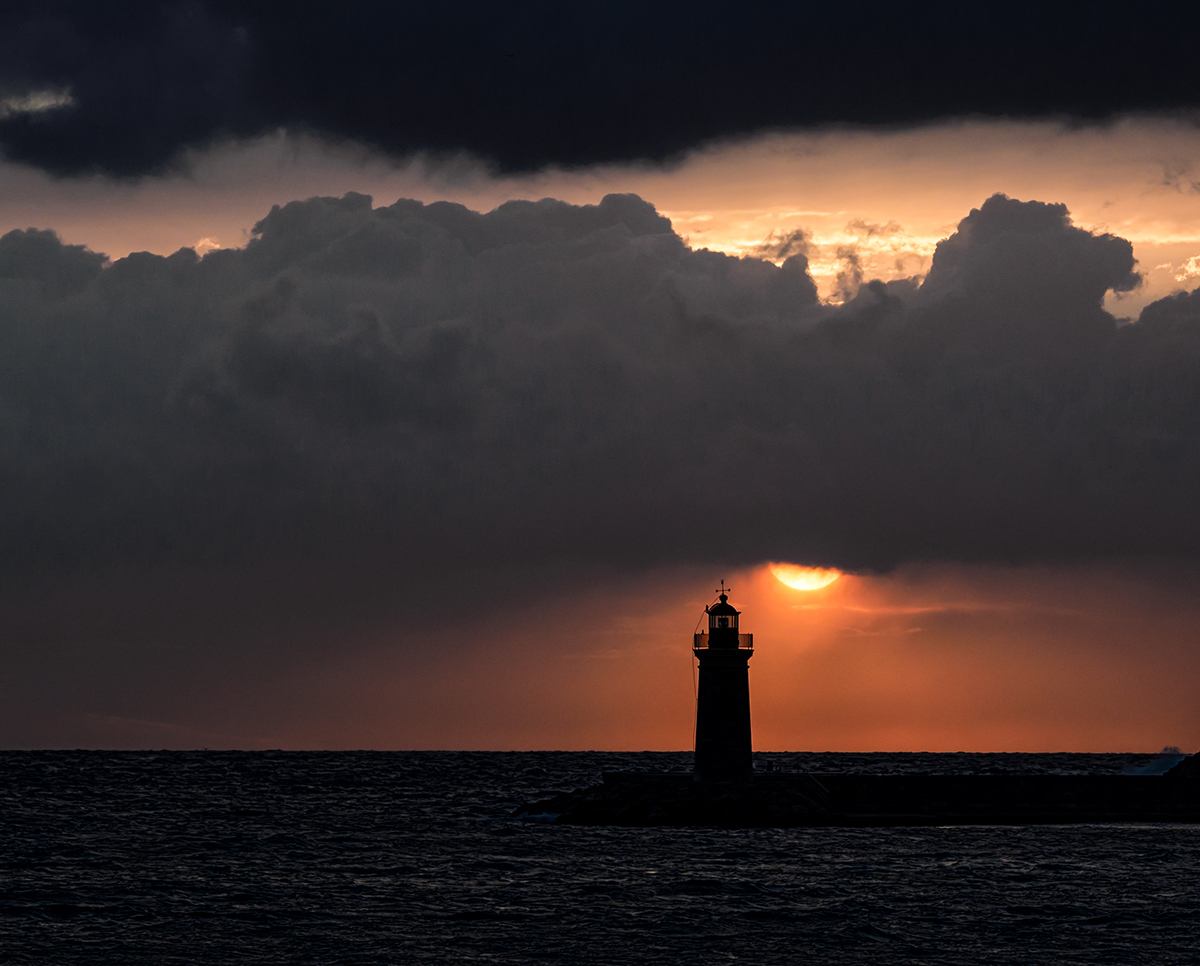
x: 871, y: 229
x: 784, y: 244
x: 431, y: 388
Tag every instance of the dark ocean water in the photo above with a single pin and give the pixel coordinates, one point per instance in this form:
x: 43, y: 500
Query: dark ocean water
x: 407, y: 857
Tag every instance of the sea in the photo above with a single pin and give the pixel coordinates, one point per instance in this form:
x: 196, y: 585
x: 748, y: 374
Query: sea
x: 370, y: 857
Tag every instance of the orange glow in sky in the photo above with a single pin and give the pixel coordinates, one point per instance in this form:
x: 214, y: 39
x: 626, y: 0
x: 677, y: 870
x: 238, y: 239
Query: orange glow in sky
x: 875, y: 202
x: 928, y: 658
x: 804, y: 578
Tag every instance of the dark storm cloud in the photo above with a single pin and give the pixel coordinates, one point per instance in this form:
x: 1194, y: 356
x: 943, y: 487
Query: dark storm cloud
x: 534, y: 83
x: 433, y: 389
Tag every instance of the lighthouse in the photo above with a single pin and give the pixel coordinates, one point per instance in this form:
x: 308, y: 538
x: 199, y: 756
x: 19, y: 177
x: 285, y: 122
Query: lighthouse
x: 723, y: 696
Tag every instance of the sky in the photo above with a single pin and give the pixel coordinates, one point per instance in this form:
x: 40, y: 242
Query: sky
x: 394, y: 380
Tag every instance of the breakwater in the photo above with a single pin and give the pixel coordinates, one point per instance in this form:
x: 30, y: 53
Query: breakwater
x: 849, y: 799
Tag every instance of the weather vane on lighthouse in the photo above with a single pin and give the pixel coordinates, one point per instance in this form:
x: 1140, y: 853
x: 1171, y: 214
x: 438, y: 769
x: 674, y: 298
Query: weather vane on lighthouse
x: 723, y: 750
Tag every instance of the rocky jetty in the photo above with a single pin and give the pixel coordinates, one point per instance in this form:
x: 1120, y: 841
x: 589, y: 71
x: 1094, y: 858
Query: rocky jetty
x: 789, y: 800
x: 1188, y: 768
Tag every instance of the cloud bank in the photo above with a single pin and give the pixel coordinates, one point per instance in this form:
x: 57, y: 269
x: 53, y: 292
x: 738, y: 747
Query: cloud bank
x: 123, y: 88
x: 549, y: 385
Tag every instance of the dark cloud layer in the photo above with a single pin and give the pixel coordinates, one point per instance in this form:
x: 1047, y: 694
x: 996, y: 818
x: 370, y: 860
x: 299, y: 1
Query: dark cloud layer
x: 435, y: 390
x: 535, y: 83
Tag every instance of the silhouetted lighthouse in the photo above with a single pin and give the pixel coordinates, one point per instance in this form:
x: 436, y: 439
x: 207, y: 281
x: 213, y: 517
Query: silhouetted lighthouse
x: 723, y: 697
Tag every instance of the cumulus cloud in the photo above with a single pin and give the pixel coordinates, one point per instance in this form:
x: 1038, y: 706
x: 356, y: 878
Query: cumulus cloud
x: 548, y: 384
x: 535, y: 84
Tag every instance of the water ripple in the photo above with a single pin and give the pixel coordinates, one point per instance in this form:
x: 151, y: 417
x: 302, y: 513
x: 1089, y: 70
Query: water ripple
x: 189, y: 858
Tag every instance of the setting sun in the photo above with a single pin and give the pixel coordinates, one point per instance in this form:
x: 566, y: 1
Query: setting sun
x: 804, y: 578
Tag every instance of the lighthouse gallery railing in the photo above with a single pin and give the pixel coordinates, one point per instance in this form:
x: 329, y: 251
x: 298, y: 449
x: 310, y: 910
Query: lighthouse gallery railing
x: 745, y: 642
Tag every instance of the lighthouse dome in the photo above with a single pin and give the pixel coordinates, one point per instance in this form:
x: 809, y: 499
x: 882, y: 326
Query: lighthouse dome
x: 722, y: 615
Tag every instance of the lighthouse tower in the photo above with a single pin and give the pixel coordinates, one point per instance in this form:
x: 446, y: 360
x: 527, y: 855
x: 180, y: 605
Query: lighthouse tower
x: 723, y: 696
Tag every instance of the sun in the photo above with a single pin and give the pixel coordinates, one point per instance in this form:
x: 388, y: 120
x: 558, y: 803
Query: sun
x: 804, y: 578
